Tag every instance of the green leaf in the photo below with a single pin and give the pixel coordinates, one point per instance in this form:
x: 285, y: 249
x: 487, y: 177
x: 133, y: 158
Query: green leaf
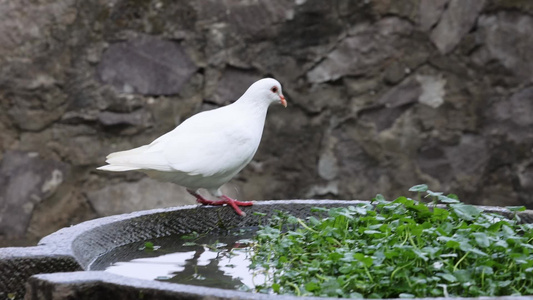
x: 481, y: 239
x: 466, y: 247
x: 447, y: 199
x: 190, y: 236
x: 379, y: 198
x: 434, y: 194
x: 148, y: 245
x: 345, y: 269
x: 420, y: 254
x: 406, y: 295
x: 465, y: 211
x: 445, y: 228
x: 321, y: 209
x: 448, y: 277
x: 453, y: 196
x: 366, y: 260
x: 311, y: 286
x: 356, y: 295
x: 516, y: 208
x: 452, y: 244
x: 372, y: 232
x: 504, y: 283
x: 463, y: 275
x: 485, y: 270
x: 361, y: 210
x: 418, y: 188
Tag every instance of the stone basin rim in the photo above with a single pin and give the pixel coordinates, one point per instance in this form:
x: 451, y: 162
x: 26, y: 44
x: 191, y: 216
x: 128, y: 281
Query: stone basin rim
x: 65, y: 236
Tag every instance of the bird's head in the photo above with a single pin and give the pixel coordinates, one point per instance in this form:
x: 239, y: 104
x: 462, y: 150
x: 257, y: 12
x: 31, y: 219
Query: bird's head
x: 268, y: 89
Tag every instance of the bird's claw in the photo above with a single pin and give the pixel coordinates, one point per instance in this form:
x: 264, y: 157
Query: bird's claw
x: 226, y: 200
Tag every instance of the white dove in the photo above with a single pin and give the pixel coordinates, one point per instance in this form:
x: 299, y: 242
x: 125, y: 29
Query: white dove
x: 209, y: 148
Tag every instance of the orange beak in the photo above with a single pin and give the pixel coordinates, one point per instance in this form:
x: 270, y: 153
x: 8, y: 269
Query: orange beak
x: 283, y: 101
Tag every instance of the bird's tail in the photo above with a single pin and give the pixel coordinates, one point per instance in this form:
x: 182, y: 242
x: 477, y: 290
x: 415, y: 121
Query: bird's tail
x: 124, y: 160
x: 114, y: 168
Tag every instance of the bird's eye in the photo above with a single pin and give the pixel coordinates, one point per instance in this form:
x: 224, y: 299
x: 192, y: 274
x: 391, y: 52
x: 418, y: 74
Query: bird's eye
x: 274, y: 89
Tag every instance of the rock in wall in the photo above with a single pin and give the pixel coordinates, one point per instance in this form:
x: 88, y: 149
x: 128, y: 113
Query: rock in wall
x: 382, y: 95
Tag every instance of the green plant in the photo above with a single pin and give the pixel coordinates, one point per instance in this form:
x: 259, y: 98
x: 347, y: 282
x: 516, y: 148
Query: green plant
x: 404, y: 248
x: 149, y: 246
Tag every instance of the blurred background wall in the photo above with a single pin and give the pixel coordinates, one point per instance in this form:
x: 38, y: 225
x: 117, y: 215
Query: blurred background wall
x: 383, y: 95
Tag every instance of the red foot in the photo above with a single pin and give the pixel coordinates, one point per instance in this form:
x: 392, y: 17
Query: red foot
x: 226, y: 200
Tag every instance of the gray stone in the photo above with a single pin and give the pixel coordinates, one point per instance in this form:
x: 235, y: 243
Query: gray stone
x: 405, y: 93
x: 432, y: 160
x: 146, y: 65
x: 76, y: 117
x: 313, y: 98
x: 331, y: 188
x: 469, y: 157
x: 327, y: 166
x: 232, y: 84
x: 430, y: 12
x: 25, y: 21
x: 360, y: 86
x: 112, y: 100
x: 37, y: 101
x: 34, y: 119
x: 406, y: 9
x: 432, y: 90
x: 66, y: 207
x: 512, y: 117
x: 395, y: 73
x: 525, y: 177
x: 78, y: 142
x: 249, y: 18
x: 462, y: 162
x: 357, y: 53
x: 391, y: 105
x: 497, y: 33
x: 344, y: 60
x: 25, y: 180
x: 455, y: 22
x: 517, y: 110
x: 520, y: 5
x: 132, y: 196
x: 140, y: 118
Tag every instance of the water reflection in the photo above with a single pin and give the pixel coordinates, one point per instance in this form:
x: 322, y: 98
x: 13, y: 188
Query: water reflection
x: 220, y: 261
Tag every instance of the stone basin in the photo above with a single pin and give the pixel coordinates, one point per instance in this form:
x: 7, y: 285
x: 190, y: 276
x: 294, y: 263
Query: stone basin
x: 57, y: 267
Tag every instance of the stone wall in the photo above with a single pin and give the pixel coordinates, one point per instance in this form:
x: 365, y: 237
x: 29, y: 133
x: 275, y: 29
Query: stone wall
x: 383, y: 94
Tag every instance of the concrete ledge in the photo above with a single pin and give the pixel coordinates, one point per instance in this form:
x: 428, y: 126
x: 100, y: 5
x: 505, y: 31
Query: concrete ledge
x: 104, y: 286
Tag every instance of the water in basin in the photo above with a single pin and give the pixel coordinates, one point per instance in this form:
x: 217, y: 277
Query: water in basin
x: 219, y: 260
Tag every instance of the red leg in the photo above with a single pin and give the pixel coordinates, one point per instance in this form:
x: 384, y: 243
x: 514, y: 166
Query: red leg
x: 226, y: 200
x: 201, y: 199
x: 235, y: 204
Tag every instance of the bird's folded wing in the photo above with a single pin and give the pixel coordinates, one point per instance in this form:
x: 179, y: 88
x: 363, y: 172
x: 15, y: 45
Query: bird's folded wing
x: 209, y: 144
x: 206, y: 154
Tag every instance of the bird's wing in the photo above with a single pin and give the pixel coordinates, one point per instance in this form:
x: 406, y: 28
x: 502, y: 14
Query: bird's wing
x: 210, y: 143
